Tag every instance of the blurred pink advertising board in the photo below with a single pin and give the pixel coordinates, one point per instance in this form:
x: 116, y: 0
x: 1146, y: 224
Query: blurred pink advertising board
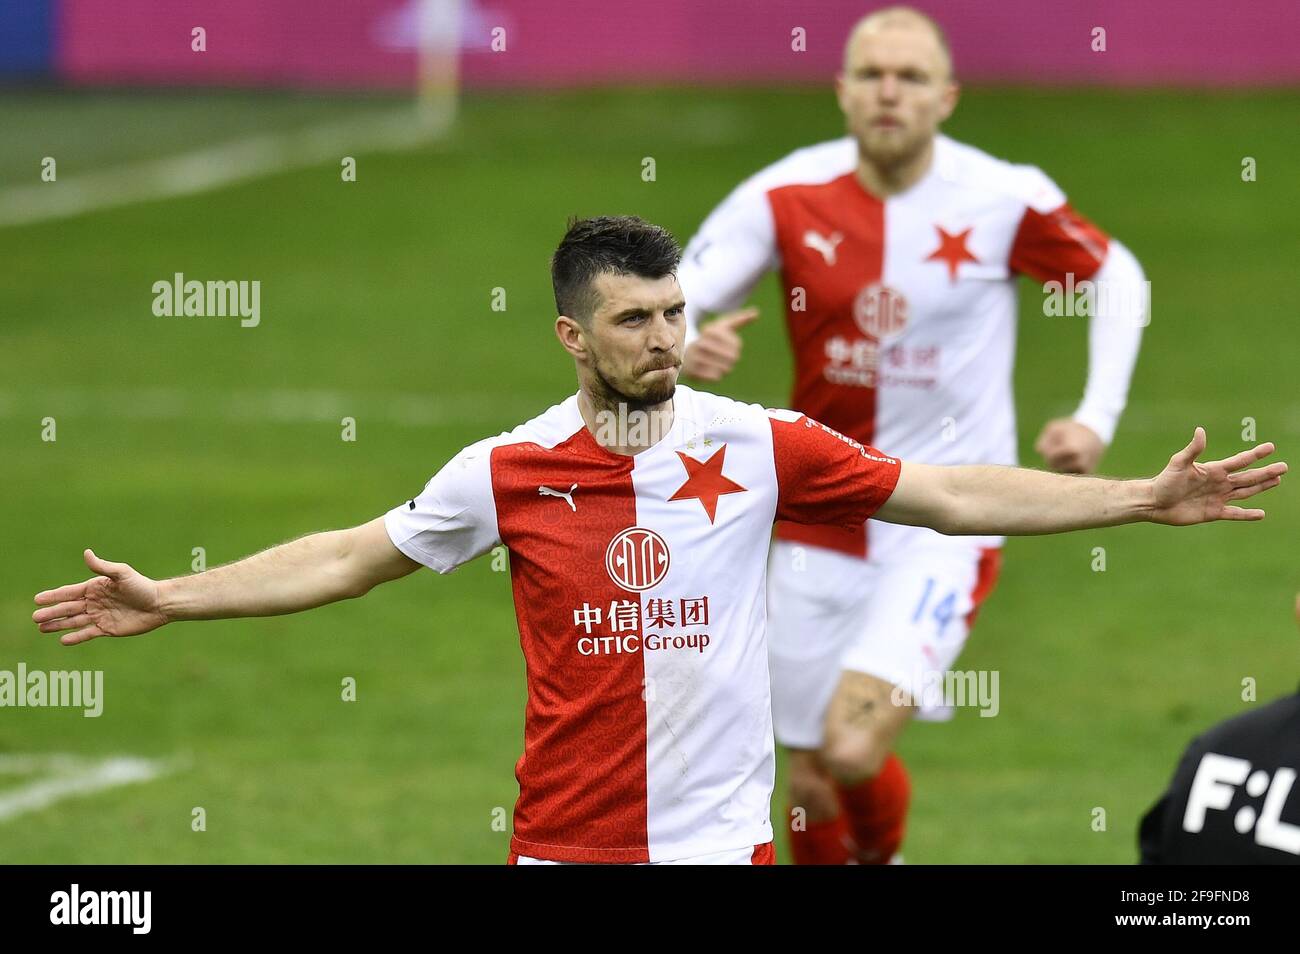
x: 530, y: 43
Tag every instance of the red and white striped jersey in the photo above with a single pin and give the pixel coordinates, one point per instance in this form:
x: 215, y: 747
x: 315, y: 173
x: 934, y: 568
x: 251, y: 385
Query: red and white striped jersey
x: 639, y: 586
x: 901, y: 312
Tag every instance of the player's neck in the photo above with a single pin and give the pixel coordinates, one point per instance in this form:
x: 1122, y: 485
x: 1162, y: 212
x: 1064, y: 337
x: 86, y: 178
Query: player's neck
x: 885, y: 180
x: 623, y: 428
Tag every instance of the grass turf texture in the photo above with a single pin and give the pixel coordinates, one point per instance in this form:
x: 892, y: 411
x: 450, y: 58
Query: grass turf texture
x: 185, y: 432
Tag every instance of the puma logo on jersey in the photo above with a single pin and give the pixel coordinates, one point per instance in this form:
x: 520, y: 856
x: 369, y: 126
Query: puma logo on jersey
x: 826, y: 246
x: 548, y: 492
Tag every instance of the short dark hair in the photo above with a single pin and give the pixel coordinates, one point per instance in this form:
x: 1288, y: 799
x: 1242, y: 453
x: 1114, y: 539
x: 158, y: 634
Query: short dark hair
x: 615, y: 244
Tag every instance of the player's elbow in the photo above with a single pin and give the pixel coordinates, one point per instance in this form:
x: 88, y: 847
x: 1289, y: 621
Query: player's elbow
x: 957, y: 522
x: 1121, y: 285
x: 368, y: 558
x: 954, y: 505
x: 348, y: 579
x: 1120, y: 257
x: 926, y: 496
x: 948, y: 515
x: 353, y: 588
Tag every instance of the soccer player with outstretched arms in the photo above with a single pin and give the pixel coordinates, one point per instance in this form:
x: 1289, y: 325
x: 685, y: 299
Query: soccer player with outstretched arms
x: 637, y: 514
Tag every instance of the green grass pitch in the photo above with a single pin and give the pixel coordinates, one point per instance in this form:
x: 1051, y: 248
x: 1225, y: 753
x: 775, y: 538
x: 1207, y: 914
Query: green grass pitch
x: 176, y: 433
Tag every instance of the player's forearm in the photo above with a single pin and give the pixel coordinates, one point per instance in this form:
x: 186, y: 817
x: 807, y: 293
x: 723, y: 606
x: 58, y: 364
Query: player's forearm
x: 1016, y: 501
x: 301, y: 574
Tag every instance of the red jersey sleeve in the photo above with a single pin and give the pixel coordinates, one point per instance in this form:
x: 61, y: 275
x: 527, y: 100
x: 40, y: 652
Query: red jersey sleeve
x: 823, y: 477
x: 1050, y: 244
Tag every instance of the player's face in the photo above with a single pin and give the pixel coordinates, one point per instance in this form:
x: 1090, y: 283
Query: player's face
x: 895, y: 90
x: 637, y: 337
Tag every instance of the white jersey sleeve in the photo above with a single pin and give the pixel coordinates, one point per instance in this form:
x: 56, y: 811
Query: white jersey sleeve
x: 453, y: 520
x: 728, y: 255
x: 1123, y: 309
x: 1055, y: 241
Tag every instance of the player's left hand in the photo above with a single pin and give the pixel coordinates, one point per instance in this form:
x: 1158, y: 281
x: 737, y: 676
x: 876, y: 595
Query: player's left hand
x: 1069, y: 447
x: 1186, y: 492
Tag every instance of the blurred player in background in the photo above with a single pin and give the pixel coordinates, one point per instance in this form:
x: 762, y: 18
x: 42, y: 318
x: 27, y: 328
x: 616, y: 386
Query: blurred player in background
x: 899, y: 250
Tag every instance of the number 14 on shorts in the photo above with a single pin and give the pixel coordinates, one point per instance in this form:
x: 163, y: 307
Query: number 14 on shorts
x: 941, y: 610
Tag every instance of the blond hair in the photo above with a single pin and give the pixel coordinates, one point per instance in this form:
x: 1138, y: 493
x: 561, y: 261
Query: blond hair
x: 890, y: 16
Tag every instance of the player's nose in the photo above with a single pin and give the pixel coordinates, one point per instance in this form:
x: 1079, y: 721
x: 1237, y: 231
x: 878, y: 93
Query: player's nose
x: 662, y: 337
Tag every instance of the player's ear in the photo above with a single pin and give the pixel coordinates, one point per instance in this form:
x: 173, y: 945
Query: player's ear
x: 948, y: 103
x: 571, y: 335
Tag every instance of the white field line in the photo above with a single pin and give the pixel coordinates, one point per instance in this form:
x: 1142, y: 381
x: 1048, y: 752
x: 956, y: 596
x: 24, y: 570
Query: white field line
x: 468, y: 408
x: 284, y: 406
x: 219, y: 165
x: 69, y: 776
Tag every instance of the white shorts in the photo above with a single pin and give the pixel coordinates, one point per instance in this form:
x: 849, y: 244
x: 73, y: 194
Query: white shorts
x: 900, y: 618
x: 764, y: 854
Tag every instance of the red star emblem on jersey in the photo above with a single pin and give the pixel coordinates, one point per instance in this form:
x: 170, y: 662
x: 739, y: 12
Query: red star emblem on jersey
x: 952, y: 249
x: 705, y: 482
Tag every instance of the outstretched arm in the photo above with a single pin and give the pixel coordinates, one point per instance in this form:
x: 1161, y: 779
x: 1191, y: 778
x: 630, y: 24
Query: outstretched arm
x: 301, y: 574
x: 1015, y: 501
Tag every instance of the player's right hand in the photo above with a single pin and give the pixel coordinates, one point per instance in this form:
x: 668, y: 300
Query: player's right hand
x: 712, y: 355
x: 118, y: 602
